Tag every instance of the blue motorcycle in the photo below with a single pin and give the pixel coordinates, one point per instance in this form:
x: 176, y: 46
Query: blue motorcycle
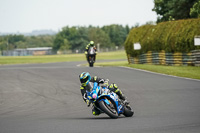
x: 108, y: 102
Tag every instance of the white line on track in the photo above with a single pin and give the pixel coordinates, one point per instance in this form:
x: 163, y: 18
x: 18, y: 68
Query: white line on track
x: 80, y: 65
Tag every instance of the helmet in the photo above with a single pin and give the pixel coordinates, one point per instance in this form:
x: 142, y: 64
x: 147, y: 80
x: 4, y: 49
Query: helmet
x: 91, y: 43
x: 84, y: 78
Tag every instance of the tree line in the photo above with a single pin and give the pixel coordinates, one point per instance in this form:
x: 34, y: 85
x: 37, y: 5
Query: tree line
x: 69, y: 38
x: 11, y: 42
x: 77, y: 37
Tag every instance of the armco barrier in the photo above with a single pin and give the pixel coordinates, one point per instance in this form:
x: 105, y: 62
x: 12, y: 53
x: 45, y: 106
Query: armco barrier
x: 162, y: 58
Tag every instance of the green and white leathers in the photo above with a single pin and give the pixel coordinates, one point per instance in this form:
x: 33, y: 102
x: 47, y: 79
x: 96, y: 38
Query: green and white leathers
x: 91, y: 44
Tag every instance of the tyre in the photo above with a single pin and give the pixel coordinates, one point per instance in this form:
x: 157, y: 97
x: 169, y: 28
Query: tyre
x: 112, y: 112
x: 91, y: 64
x: 128, y: 112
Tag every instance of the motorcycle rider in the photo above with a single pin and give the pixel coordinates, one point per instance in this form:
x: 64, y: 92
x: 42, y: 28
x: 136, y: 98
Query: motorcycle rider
x: 86, y: 80
x: 91, y: 44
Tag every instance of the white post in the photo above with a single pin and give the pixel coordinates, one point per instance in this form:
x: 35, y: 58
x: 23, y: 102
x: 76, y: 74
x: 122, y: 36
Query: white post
x: 136, y: 46
x: 98, y: 47
x: 197, y: 40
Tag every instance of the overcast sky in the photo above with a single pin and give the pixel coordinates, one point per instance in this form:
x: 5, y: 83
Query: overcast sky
x: 28, y: 15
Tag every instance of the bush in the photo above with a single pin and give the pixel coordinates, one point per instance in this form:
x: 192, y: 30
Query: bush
x: 172, y: 36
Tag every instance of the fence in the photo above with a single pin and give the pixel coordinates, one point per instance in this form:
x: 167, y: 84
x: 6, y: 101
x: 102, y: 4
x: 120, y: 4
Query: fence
x: 28, y: 51
x: 163, y: 58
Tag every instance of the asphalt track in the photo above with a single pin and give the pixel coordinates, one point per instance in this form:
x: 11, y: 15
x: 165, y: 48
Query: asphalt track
x: 45, y: 98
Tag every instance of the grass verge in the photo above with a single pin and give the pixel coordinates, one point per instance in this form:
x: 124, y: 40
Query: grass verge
x: 59, y: 58
x: 180, y: 71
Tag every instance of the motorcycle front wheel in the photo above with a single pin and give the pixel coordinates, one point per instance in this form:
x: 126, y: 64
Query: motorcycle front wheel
x: 91, y: 64
x: 112, y: 112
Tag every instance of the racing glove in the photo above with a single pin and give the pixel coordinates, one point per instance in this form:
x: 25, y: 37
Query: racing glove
x: 105, y: 84
x: 86, y: 100
x: 86, y: 52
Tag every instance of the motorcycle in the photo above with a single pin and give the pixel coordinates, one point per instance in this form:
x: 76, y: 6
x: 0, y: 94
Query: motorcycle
x: 108, y: 102
x: 91, y: 56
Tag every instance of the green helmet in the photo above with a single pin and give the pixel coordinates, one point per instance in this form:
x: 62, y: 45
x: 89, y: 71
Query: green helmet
x: 91, y: 43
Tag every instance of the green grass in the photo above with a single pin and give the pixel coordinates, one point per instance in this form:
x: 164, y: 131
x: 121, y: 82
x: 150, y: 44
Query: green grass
x: 59, y: 58
x: 181, y: 71
x: 39, y: 59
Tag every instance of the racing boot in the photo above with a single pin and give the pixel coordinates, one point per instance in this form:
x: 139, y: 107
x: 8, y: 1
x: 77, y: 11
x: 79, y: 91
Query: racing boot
x: 95, y: 111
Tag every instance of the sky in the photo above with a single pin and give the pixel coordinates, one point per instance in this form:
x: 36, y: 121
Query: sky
x: 27, y: 15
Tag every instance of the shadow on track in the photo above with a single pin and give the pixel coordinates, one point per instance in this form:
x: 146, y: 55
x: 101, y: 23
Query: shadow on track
x: 86, y: 118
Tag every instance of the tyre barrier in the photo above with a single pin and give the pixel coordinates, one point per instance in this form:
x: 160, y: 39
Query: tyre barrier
x: 196, y: 57
x: 163, y: 58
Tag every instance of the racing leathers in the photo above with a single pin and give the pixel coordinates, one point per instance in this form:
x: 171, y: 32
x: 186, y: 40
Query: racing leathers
x: 112, y: 87
x: 87, y: 48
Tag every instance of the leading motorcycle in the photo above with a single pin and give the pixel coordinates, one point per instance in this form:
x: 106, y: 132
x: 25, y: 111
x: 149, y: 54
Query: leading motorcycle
x: 108, y: 102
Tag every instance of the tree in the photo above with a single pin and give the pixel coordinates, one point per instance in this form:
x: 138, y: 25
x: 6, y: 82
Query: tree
x: 78, y: 37
x: 59, y: 40
x: 195, y: 10
x: 13, y: 40
x: 39, y: 41
x: 99, y: 37
x: 3, y: 43
x: 65, y: 46
x: 173, y: 9
x: 117, y: 34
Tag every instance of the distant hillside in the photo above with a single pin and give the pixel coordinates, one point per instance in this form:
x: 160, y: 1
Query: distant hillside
x: 33, y: 33
x: 41, y: 32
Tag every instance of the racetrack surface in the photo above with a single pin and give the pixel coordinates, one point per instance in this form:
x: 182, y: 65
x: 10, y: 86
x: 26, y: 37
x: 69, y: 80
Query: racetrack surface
x: 45, y: 98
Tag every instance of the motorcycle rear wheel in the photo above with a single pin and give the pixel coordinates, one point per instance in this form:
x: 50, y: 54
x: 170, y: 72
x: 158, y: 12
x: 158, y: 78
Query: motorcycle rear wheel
x: 128, y: 112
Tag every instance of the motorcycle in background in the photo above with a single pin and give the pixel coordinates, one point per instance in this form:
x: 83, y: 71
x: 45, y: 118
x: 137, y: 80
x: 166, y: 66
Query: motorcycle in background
x: 91, y: 56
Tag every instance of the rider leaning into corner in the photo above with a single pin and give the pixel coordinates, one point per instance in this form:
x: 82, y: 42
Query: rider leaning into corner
x: 91, y: 44
x: 86, y: 80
